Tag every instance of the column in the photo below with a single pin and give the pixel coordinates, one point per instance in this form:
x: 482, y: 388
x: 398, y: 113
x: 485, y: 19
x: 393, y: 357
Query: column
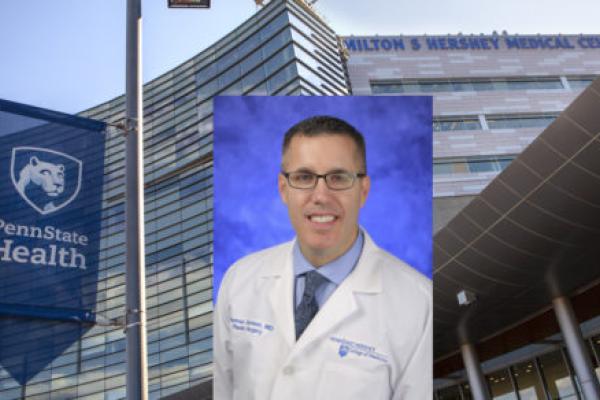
x: 477, y: 382
x: 576, y: 347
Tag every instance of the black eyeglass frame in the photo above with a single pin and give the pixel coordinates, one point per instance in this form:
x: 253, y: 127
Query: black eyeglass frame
x: 354, y: 175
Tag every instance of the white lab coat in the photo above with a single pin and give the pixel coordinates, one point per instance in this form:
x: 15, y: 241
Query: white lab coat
x: 372, y: 339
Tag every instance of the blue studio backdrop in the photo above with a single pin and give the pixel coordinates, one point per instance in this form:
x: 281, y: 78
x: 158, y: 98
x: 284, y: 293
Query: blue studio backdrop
x: 248, y: 212
x: 51, y: 179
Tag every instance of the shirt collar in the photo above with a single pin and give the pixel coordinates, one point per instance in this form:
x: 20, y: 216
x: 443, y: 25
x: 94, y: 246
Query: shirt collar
x: 335, y: 271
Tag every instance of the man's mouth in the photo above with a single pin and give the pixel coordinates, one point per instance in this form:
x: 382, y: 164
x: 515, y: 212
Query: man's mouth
x: 322, y: 219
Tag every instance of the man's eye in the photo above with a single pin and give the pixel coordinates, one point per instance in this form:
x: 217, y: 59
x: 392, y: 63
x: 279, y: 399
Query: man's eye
x: 303, y: 177
x: 338, y: 178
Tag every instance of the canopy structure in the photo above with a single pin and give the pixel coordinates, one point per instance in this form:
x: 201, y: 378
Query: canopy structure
x: 531, y: 235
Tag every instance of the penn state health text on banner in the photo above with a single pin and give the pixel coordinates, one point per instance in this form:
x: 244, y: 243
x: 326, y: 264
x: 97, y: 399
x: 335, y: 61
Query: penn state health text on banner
x: 51, y: 178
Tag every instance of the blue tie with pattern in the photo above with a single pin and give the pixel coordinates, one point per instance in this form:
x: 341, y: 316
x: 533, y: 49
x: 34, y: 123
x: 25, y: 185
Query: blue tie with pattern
x: 308, y: 307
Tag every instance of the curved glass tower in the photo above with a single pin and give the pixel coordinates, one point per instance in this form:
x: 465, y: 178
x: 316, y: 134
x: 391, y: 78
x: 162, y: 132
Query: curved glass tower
x: 284, y: 49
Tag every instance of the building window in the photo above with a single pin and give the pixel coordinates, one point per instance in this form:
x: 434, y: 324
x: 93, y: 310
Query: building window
x: 465, y: 165
x: 547, y: 376
x: 595, y: 347
x: 527, y: 380
x: 556, y: 374
x: 470, y: 123
x: 449, y: 393
x: 482, y: 165
x: 467, y: 85
x: 501, y: 385
x: 456, y: 124
x: 580, y: 82
x: 515, y: 122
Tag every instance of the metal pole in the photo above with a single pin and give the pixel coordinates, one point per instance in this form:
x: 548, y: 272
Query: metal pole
x: 542, y: 378
x: 576, y: 347
x: 513, y: 382
x: 476, y: 380
x: 137, y: 368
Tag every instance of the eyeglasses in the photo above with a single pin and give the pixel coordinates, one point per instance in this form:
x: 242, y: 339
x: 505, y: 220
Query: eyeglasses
x: 333, y: 180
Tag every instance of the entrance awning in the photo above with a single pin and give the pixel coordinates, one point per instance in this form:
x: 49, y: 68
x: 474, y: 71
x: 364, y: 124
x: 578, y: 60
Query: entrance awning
x: 531, y: 234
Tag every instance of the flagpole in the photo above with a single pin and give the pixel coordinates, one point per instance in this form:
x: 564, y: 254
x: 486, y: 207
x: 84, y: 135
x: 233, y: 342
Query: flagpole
x: 135, y: 319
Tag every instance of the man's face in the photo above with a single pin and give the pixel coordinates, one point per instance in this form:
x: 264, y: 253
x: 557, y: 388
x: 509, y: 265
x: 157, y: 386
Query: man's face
x: 325, y: 220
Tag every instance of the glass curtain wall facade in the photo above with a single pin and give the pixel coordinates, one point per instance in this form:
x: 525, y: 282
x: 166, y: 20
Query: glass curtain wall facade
x: 547, y: 376
x: 284, y: 49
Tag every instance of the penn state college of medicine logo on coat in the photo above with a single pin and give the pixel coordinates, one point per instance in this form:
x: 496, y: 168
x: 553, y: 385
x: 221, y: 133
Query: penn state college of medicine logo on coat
x: 47, y: 180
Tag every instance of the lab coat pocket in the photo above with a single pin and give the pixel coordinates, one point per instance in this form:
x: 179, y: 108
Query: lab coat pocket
x: 348, y: 382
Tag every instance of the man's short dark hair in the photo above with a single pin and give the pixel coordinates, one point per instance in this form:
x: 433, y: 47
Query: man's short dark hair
x: 327, y: 125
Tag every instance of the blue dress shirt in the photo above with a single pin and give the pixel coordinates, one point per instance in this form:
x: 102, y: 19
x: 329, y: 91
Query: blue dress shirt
x: 335, y: 271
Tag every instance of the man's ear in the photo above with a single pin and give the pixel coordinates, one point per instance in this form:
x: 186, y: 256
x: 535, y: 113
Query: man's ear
x: 365, y: 186
x: 282, y: 186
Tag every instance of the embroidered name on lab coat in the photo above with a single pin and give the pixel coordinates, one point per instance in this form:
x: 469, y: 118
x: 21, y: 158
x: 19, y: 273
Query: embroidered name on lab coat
x: 250, y: 326
x: 359, y: 349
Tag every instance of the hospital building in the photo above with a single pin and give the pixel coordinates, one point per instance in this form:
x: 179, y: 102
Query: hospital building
x: 516, y: 193
x: 516, y: 189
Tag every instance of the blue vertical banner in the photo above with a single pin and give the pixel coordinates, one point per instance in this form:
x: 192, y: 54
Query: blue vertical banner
x: 51, y: 180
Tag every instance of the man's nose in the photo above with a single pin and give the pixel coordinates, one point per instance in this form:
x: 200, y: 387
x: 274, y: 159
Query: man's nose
x: 321, y: 191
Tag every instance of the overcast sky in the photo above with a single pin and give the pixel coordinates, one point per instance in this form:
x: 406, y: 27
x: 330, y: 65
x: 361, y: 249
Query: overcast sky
x: 69, y: 55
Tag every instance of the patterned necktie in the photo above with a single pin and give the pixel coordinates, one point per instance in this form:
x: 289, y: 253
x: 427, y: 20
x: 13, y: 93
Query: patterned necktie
x: 308, y: 307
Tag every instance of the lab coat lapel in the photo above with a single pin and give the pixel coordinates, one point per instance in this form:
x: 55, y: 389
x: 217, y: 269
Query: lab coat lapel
x: 339, y: 307
x: 279, y: 278
x: 366, y: 278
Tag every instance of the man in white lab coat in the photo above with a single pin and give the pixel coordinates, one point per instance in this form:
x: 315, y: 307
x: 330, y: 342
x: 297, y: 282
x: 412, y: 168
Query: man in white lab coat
x: 329, y: 315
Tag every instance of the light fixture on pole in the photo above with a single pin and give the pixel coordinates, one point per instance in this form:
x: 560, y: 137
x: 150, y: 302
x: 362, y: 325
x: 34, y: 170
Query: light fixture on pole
x: 189, y: 3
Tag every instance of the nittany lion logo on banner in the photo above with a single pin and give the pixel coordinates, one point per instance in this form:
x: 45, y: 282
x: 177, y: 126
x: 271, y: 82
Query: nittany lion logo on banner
x: 47, y: 180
